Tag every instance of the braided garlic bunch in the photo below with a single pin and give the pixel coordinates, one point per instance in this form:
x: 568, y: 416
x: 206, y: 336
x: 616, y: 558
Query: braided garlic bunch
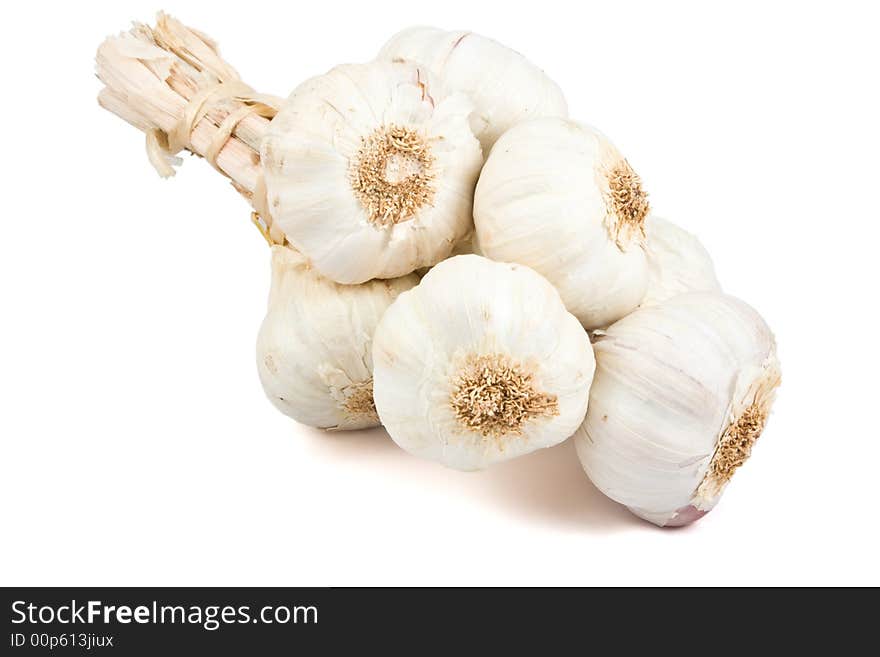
x: 573, y: 311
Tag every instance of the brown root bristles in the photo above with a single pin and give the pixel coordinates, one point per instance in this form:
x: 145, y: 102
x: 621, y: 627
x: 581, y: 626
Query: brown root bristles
x: 391, y: 175
x: 627, y: 203
x: 735, y: 445
x: 495, y: 396
x: 359, y: 402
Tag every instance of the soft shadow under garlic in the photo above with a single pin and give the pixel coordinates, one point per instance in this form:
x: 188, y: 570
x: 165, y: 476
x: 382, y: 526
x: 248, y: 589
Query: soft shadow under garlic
x: 547, y: 486
x: 550, y: 487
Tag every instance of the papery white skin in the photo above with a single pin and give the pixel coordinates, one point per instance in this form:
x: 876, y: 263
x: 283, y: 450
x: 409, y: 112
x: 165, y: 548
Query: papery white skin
x: 471, y: 305
x: 677, y: 263
x: 669, y: 381
x: 505, y: 86
x: 538, y: 203
x: 307, y: 153
x: 314, y: 348
x: 467, y: 246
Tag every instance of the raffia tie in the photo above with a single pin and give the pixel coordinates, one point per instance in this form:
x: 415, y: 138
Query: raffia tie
x: 162, y: 147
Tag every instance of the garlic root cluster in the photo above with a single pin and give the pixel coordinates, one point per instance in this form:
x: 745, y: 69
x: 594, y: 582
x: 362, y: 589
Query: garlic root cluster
x: 445, y: 243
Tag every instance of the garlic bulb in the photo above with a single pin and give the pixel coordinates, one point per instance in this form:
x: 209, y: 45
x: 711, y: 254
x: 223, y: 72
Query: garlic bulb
x: 314, y: 349
x: 505, y: 87
x: 677, y: 263
x: 682, y: 392
x: 370, y: 170
x: 558, y: 197
x: 480, y: 363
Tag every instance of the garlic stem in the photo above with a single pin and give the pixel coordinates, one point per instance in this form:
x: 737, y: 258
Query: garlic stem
x: 151, y: 76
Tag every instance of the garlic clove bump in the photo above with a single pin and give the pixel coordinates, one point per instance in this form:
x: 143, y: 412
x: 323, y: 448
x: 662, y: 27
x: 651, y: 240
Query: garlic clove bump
x: 677, y: 263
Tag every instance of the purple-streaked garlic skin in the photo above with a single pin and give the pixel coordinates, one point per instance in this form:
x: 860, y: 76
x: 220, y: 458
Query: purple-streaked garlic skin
x: 682, y: 517
x: 686, y: 516
x: 682, y: 392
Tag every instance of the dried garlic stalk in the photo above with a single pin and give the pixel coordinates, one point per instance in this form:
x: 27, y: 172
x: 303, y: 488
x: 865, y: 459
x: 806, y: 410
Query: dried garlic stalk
x: 170, y: 82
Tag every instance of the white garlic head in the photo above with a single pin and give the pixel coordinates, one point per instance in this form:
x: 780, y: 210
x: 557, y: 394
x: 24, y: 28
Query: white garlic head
x: 370, y: 170
x: 558, y: 197
x: 314, y: 348
x: 677, y: 263
x: 505, y: 86
x: 682, y: 391
x: 480, y: 363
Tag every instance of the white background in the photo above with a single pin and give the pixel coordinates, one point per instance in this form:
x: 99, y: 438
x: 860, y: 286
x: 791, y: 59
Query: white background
x: 137, y: 446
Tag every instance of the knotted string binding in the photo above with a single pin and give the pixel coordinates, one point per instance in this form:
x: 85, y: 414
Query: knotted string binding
x: 162, y: 147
